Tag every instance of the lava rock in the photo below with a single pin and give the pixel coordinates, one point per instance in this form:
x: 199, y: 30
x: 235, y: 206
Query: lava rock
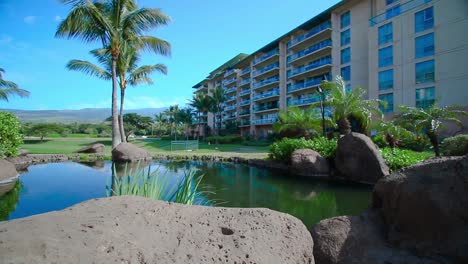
x: 93, y: 148
x: 306, y: 162
x: 127, y: 152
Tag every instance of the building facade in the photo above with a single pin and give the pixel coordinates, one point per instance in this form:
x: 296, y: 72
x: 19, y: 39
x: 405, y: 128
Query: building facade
x: 407, y: 52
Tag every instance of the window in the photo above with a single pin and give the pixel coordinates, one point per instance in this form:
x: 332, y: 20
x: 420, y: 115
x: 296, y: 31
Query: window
x: 346, y: 73
x: 345, y: 19
x: 425, y: 71
x: 388, y: 98
x: 424, y: 45
x: 392, y: 12
x: 386, y: 80
x: 425, y: 97
x: 424, y: 20
x: 385, y: 34
x: 389, y: 2
x: 386, y: 56
x: 345, y: 37
x: 345, y: 55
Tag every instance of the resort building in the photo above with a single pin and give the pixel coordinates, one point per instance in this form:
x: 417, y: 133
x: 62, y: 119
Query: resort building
x: 407, y: 52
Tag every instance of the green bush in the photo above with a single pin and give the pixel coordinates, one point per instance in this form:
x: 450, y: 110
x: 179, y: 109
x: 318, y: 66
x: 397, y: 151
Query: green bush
x: 416, y: 143
x: 455, y: 146
x: 282, y: 150
x: 400, y: 158
x: 10, y: 136
x: 380, y: 141
x: 225, y: 139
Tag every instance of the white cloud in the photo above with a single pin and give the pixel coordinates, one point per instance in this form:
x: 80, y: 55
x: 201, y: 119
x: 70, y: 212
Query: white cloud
x: 29, y: 19
x: 58, y: 18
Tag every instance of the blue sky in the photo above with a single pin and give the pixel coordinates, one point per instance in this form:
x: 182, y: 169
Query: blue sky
x: 204, y: 34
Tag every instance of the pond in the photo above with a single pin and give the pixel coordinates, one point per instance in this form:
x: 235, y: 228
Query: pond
x: 55, y: 186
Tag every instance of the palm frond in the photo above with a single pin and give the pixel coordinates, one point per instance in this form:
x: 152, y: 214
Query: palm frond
x: 141, y: 73
x: 144, y: 19
x: 89, y: 69
x: 156, y: 45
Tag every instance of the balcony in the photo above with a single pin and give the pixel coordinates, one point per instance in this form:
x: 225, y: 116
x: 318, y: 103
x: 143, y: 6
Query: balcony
x: 230, y: 107
x: 266, y: 82
x: 230, y: 99
x: 266, y: 69
x: 266, y: 56
x: 263, y: 108
x: 317, y: 64
x: 244, y: 92
x: 403, y: 8
x: 296, y: 57
x: 245, y: 71
x: 266, y: 95
x: 229, y: 81
x: 229, y: 73
x: 243, y: 123
x: 244, y: 82
x: 230, y: 116
x: 217, y: 84
x: 245, y: 102
x: 244, y: 112
x: 313, y: 32
x: 265, y: 121
x: 231, y: 90
x: 305, y: 85
x: 304, y: 101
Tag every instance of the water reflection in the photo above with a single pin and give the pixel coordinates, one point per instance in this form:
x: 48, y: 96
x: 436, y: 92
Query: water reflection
x: 9, y: 199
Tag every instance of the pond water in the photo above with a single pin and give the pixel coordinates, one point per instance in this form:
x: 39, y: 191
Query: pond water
x: 55, y: 186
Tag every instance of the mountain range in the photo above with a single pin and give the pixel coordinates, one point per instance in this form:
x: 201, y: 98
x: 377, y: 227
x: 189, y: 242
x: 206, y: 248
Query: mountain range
x: 87, y: 115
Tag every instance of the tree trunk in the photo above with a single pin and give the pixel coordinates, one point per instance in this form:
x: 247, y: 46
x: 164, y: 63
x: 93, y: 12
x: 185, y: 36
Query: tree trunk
x: 116, y: 140
x: 344, y: 127
x: 434, y: 138
x: 121, y: 122
x: 199, y: 126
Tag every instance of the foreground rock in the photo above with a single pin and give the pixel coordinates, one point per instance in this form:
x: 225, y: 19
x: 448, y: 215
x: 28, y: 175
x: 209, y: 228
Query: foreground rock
x: 138, y: 230
x: 306, y: 162
x: 94, y: 148
x: 358, y: 159
x: 425, y: 207
x: 7, y: 171
x: 418, y: 215
x: 126, y: 152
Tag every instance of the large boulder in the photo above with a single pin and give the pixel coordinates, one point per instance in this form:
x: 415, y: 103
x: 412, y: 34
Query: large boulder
x: 93, y: 148
x: 138, y: 230
x: 306, y: 162
x: 7, y: 171
x: 126, y: 152
x: 425, y: 207
x: 358, y: 159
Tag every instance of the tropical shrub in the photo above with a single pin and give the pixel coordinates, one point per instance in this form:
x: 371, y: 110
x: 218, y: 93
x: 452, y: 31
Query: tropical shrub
x: 282, y: 150
x: 455, y: 146
x: 225, y: 139
x: 10, y: 136
x: 399, y: 158
x: 380, y: 141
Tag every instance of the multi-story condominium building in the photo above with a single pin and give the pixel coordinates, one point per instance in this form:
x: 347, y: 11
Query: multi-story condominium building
x: 407, y: 52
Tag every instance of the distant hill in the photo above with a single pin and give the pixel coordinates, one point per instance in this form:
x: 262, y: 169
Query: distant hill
x: 87, y: 115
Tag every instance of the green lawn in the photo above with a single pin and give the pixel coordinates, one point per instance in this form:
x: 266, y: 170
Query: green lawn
x: 69, y: 145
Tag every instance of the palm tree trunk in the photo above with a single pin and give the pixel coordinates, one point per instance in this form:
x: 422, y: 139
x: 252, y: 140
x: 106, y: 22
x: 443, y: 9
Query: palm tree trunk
x: 434, y: 139
x: 121, y: 122
x: 199, y: 130
x: 116, y: 140
x: 344, y: 127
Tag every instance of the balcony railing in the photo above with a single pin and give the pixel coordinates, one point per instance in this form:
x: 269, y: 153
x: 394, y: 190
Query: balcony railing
x: 266, y: 56
x: 265, y: 69
x: 232, y: 98
x: 244, y: 112
x: 274, y: 92
x: 229, y: 108
x: 230, y: 90
x: 245, y: 102
x: 230, y: 116
x: 265, y: 107
x: 311, y: 66
x: 403, y: 8
x: 244, y: 82
x: 303, y: 85
x: 229, y: 72
x: 312, y: 32
x: 244, y: 92
x: 265, y: 121
x: 304, y: 101
x: 229, y: 81
x: 245, y: 71
x: 266, y: 82
x: 311, y: 49
x: 244, y: 123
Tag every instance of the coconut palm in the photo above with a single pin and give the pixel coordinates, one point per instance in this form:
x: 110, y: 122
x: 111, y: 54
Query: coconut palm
x: 8, y: 88
x: 185, y: 116
x: 172, y: 114
x: 429, y: 121
x: 114, y: 23
x: 202, y: 103
x: 347, y: 104
x: 307, y: 122
x: 219, y: 97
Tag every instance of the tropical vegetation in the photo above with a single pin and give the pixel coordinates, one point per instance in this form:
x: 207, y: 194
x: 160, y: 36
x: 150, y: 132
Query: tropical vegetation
x: 455, y: 146
x: 283, y: 149
x: 10, y: 135
x: 305, y: 123
x: 9, y: 88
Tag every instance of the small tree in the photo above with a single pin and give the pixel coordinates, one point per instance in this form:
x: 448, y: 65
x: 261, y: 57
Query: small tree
x: 42, y: 130
x: 429, y: 121
x: 307, y: 122
x: 10, y: 136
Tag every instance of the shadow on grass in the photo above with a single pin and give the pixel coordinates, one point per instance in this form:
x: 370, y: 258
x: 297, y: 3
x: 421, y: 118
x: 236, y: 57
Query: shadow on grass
x: 35, y: 141
x: 105, y: 142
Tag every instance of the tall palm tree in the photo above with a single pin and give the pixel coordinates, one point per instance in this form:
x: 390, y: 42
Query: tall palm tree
x: 294, y: 118
x: 219, y: 97
x: 185, y: 116
x: 114, y: 23
x: 429, y: 121
x: 172, y: 114
x: 346, y: 104
x: 8, y: 88
x: 202, y: 103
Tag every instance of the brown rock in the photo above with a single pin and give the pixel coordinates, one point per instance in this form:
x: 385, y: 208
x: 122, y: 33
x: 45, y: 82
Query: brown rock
x: 307, y: 162
x: 7, y: 171
x: 94, y: 148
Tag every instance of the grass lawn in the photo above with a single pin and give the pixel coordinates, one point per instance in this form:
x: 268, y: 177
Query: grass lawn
x: 69, y: 145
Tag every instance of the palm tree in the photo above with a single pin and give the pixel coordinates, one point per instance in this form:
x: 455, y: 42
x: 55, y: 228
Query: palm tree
x: 8, y: 88
x: 172, y: 114
x: 219, y: 97
x: 160, y: 120
x: 350, y: 104
x: 185, y: 116
x: 202, y: 103
x: 393, y: 132
x: 114, y: 23
x: 430, y: 121
x: 294, y: 118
